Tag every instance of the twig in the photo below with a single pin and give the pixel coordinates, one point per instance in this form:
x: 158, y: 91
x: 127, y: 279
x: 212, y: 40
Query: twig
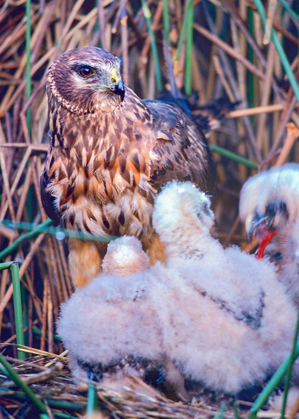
x: 292, y: 135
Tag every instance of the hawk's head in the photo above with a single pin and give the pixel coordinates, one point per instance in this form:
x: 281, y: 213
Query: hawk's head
x: 84, y: 80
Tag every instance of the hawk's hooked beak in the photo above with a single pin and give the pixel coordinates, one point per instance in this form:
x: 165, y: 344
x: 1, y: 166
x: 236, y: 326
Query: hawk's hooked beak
x: 118, y: 88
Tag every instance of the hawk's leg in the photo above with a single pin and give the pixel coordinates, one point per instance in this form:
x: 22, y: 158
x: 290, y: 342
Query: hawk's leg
x: 84, y: 262
x: 155, y: 249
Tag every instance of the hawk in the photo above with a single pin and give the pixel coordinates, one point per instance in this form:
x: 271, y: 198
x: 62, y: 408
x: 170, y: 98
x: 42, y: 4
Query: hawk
x: 110, y: 153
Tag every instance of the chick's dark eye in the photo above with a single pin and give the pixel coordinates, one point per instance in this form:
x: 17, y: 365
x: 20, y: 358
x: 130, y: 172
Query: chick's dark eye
x: 86, y: 71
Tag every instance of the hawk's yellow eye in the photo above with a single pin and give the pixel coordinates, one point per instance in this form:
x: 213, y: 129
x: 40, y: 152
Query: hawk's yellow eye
x: 86, y: 71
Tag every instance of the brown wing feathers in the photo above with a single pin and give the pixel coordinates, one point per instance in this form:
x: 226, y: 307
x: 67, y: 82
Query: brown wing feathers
x: 111, y: 153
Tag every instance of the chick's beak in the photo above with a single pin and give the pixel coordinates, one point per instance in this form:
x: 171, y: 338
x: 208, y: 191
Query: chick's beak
x: 118, y: 89
x: 258, y: 226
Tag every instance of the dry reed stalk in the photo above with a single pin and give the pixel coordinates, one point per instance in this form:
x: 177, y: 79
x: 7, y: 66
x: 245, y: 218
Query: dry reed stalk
x: 80, y: 25
x: 225, y: 84
x: 6, y: 186
x: 229, y: 50
x: 17, y: 178
x: 61, y: 280
x: 292, y: 414
x: 8, y: 233
x: 230, y: 77
x: 124, y: 39
x: 212, y: 79
x: 289, y: 107
x: 50, y: 324
x: 67, y: 276
x: 44, y: 311
x: 240, y: 68
x: 292, y: 136
x: 51, y: 265
x: 7, y: 296
x: 36, y: 301
x: 24, y: 194
x: 30, y: 321
x: 57, y: 288
x: 266, y: 90
x: 40, y: 377
x: 3, y: 303
x: 241, y: 22
x: 257, y: 111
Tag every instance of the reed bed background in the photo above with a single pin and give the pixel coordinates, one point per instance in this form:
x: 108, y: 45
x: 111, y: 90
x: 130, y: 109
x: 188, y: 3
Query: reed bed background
x: 242, y: 52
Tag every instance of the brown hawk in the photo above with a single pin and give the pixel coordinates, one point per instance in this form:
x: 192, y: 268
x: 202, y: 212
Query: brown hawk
x: 110, y: 153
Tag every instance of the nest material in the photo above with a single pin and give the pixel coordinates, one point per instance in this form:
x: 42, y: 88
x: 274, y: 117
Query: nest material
x: 51, y: 381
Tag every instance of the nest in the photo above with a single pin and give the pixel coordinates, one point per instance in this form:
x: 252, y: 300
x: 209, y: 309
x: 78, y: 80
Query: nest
x: 50, y: 380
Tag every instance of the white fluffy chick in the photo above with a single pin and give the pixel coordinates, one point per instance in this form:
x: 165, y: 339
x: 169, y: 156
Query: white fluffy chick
x: 232, y: 325
x: 269, y: 202
x: 125, y: 257
x: 210, y: 316
x: 112, y: 328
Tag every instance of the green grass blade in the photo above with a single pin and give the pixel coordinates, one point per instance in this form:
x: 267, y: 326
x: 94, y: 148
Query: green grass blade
x: 20, y: 383
x: 37, y: 230
x: 148, y: 18
x: 289, y: 372
x: 38, y: 332
x: 272, y: 384
x: 291, y: 11
x: 280, y: 51
x: 92, y: 400
x: 17, y: 303
x: 233, y: 156
x: 5, y: 265
x: 59, y: 233
x: 183, y: 32
x: 166, y: 22
x: 189, y: 43
x: 221, y: 414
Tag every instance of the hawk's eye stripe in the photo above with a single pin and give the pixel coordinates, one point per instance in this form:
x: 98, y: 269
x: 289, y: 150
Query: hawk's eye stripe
x: 86, y: 71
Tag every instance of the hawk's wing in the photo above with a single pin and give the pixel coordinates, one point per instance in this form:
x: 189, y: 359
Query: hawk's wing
x: 48, y: 199
x: 181, y: 151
